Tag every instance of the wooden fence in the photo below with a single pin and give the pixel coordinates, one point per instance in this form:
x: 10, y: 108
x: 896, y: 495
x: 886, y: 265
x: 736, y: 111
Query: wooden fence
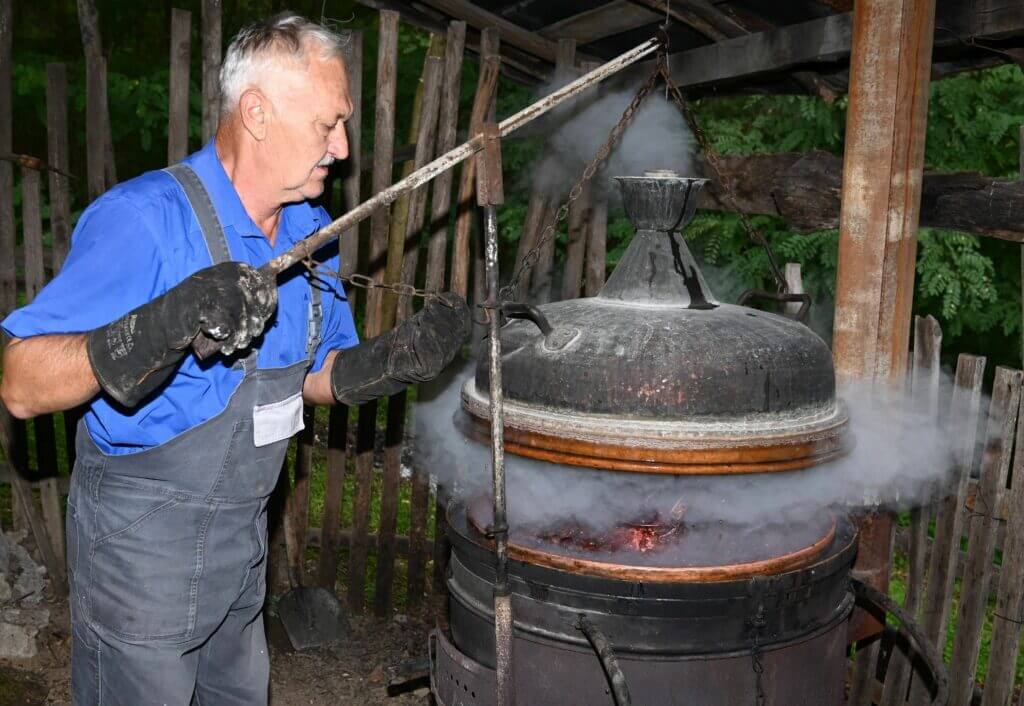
x: 961, y: 594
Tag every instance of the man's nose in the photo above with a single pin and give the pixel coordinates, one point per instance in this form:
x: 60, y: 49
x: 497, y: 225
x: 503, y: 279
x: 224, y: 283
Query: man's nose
x: 338, y: 146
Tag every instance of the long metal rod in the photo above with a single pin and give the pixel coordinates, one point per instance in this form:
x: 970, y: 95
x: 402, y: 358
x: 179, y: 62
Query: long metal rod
x: 305, y: 248
x: 503, y: 621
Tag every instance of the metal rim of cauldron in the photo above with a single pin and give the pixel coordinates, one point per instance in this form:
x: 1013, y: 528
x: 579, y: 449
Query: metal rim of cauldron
x: 665, y: 447
x: 778, y: 564
x: 716, y: 613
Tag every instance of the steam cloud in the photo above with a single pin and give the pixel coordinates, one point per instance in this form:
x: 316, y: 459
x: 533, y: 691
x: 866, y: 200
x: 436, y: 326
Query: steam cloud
x: 657, y: 137
x: 901, y: 455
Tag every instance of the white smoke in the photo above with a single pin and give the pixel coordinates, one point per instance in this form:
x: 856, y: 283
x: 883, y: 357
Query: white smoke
x: 901, y: 455
x: 656, y: 138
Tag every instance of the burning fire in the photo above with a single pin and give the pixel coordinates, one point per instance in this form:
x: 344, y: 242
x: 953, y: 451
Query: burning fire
x: 649, y: 533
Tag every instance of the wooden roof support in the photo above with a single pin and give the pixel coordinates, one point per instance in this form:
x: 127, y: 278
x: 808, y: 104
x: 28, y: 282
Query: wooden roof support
x: 890, y: 68
x: 509, y: 32
x: 602, y: 21
x: 829, y: 39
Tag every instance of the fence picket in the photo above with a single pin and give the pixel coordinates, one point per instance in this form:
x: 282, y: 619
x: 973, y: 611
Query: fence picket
x: 995, y: 464
x: 925, y: 402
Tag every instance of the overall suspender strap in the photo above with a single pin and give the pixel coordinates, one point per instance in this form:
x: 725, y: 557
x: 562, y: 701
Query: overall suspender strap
x: 217, y: 245
x: 202, y: 206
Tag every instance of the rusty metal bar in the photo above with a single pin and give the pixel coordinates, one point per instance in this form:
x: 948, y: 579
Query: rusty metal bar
x: 490, y: 193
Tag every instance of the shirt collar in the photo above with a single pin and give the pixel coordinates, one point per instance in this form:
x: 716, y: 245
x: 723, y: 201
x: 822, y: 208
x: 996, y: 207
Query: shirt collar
x: 297, y: 220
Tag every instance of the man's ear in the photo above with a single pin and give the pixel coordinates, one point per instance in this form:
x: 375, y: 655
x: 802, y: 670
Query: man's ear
x: 254, y: 109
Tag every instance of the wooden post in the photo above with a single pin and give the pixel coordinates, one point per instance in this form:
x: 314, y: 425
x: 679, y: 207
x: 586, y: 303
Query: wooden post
x: 296, y: 509
x: 981, y: 538
x: 57, y: 157
x: 365, y: 433
x: 579, y: 214
x: 177, y: 92
x: 383, y: 156
x: 1002, y: 661
x: 485, y: 88
x: 448, y: 122
x: 406, y: 256
x: 330, y: 522
x: 211, y: 42
x: 925, y: 389
x: 348, y: 244
x: 950, y: 508
x: 426, y: 138
x: 8, y: 271
x: 407, y: 211
x: 46, y: 441
x: 597, y: 239
x: 1020, y: 172
x: 890, y: 68
x: 795, y: 282
x: 97, y: 116
x: 540, y: 285
x: 435, y: 278
x: 532, y: 227
x: 348, y: 247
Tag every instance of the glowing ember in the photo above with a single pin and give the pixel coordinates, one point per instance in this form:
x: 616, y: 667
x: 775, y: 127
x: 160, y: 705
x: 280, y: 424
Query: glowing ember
x: 649, y: 534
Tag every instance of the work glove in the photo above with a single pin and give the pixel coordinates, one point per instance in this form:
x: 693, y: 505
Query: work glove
x: 416, y: 350
x: 136, y: 354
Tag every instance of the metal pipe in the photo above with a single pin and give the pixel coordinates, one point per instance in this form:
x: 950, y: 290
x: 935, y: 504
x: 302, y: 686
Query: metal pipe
x: 609, y: 663
x: 503, y: 620
x: 305, y: 248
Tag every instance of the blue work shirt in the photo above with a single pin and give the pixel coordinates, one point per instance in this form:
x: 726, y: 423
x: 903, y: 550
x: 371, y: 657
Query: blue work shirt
x: 142, y: 238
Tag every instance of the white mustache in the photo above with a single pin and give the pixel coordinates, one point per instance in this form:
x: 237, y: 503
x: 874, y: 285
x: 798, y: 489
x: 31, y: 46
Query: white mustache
x: 326, y: 161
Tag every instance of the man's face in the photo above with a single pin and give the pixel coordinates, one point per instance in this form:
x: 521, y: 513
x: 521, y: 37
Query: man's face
x: 308, y: 130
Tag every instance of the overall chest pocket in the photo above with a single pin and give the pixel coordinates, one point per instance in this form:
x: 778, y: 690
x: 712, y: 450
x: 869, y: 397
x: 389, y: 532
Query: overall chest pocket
x: 146, y: 562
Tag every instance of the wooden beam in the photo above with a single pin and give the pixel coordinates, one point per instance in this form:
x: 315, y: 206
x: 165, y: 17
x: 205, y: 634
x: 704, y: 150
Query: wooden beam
x: 509, y: 32
x: 805, y: 191
x: 828, y: 39
x: 686, y: 16
x: 602, y: 21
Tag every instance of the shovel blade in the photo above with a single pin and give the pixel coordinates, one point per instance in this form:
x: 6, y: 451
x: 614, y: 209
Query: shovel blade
x: 311, y: 617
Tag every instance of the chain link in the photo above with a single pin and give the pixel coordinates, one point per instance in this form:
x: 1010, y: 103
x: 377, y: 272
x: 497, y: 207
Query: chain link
x: 728, y: 190
x: 366, y: 282
x: 757, y: 624
x: 511, y: 290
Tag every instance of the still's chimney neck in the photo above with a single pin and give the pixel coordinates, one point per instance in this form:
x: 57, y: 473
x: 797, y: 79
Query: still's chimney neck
x: 660, y: 199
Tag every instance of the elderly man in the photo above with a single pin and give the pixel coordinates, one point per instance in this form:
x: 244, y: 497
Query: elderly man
x: 167, y: 514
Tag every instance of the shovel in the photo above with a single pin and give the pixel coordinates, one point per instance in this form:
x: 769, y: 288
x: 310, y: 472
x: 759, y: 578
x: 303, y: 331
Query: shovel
x: 312, y: 616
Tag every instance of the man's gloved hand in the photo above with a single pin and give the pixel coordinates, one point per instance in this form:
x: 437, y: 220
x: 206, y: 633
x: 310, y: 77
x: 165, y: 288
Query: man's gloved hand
x: 416, y: 350
x: 134, y: 355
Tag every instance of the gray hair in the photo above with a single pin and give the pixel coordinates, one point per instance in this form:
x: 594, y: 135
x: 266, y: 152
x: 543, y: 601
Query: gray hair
x: 285, y: 35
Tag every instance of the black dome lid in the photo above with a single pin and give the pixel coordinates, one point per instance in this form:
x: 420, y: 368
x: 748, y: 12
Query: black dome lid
x: 656, y: 344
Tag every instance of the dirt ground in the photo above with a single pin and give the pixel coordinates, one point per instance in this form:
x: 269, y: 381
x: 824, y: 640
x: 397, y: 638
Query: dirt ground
x: 349, y: 673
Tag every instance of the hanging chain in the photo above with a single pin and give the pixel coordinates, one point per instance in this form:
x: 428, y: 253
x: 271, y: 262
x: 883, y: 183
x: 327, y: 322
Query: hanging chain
x: 728, y: 191
x: 757, y: 624
x: 399, y: 289
x: 510, y: 290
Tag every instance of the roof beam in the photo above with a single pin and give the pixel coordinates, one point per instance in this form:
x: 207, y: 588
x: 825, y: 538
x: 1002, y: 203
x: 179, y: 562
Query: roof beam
x: 602, y: 21
x: 510, y: 33
x: 827, y: 39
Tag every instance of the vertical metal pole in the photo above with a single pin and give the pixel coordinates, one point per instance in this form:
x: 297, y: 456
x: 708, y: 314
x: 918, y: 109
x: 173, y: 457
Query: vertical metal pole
x: 489, y: 193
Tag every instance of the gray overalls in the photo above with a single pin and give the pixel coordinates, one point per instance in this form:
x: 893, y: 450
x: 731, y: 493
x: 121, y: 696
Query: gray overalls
x: 167, y: 547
